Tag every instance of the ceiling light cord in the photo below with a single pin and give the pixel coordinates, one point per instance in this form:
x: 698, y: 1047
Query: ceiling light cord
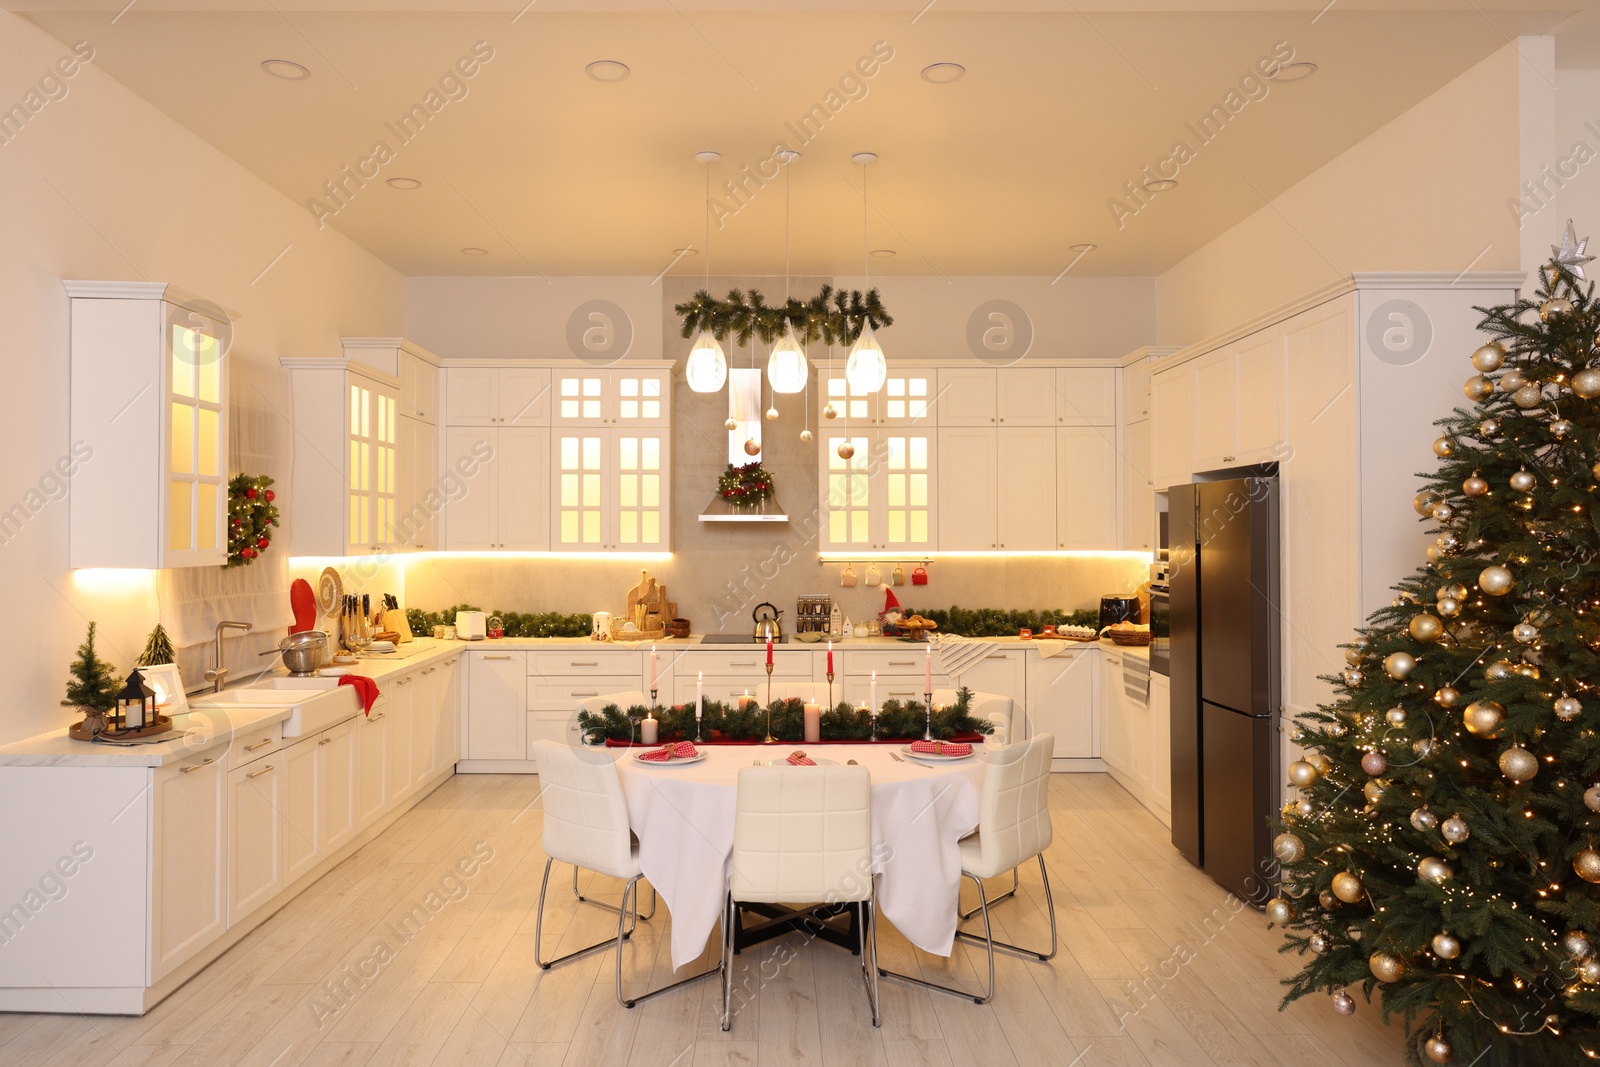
x: 708, y: 227
x: 787, y: 186
x: 866, y: 244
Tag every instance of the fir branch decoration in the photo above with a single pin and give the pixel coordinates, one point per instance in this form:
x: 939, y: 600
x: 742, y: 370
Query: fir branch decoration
x: 896, y: 721
x: 94, y: 683
x: 251, y: 516
x: 157, y: 649
x: 835, y: 317
x: 518, y: 624
x: 747, y: 484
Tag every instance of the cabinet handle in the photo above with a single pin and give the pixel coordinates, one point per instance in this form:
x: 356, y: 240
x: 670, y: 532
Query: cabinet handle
x: 750, y: 664
x: 325, y: 741
x: 259, y: 744
x: 497, y: 657
x: 584, y: 663
x: 375, y: 718
x: 258, y: 774
x: 1227, y: 459
x: 191, y: 768
x: 594, y: 694
x: 403, y: 681
x: 430, y: 670
x: 902, y: 663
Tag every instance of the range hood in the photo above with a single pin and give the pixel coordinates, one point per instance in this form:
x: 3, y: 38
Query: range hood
x: 744, y: 409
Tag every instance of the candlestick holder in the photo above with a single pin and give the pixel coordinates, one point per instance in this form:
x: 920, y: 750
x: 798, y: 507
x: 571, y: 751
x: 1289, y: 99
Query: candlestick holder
x: 927, y: 707
x: 872, y: 714
x: 769, y: 739
x: 697, y: 714
x: 830, y: 690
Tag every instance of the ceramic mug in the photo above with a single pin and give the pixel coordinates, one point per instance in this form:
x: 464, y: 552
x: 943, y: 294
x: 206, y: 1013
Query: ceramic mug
x: 919, y: 576
x: 848, y: 578
x: 899, y: 576
x: 873, y: 577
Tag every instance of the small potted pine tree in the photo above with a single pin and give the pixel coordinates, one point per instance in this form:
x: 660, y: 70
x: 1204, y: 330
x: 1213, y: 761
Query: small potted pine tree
x: 92, y: 689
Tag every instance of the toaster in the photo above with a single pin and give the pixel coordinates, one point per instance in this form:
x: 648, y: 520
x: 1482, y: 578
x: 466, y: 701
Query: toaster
x: 472, y: 625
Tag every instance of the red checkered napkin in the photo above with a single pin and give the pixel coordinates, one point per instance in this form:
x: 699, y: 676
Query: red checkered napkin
x: 942, y: 748
x: 680, y: 750
x: 800, y: 759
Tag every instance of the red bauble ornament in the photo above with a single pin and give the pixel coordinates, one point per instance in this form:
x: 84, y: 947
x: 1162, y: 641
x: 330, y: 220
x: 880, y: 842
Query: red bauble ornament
x: 262, y: 542
x: 247, y: 552
x: 250, y: 494
x: 271, y: 496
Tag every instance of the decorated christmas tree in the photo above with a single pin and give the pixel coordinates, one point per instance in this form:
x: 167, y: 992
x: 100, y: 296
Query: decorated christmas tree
x: 94, y: 683
x: 157, y: 648
x: 1444, y: 848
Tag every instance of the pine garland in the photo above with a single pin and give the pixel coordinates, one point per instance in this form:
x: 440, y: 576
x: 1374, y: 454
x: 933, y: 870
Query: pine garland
x: 896, y: 721
x: 833, y: 316
x: 251, y: 516
x: 518, y: 624
x: 747, y: 484
x: 94, y: 682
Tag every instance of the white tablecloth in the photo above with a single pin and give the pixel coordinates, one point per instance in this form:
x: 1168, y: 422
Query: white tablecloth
x: 683, y: 816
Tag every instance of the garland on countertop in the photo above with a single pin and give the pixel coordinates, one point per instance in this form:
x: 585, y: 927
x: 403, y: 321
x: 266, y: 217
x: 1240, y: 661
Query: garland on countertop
x: 896, y: 721
x: 749, y: 484
x: 833, y: 316
x: 251, y: 516
x: 518, y: 624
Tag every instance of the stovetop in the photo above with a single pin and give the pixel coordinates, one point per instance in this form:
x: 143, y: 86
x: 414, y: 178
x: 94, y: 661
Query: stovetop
x: 739, y: 639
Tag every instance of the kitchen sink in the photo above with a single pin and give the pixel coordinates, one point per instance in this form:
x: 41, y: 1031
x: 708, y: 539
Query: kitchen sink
x: 315, y: 703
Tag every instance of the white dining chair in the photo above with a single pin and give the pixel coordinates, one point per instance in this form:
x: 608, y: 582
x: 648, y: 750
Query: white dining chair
x: 586, y: 825
x: 1013, y: 827
x: 595, y: 705
x: 803, y: 834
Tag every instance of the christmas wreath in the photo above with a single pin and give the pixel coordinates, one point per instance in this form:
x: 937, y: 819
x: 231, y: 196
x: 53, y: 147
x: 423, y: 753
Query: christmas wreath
x: 749, y: 484
x: 251, y: 516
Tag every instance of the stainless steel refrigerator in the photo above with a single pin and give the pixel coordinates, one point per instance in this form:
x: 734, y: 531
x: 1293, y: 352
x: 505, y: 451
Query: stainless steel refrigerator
x: 1225, y: 621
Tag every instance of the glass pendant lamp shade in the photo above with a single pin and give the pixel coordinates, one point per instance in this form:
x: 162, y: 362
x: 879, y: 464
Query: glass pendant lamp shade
x: 707, y: 368
x: 866, y: 368
x: 787, y: 369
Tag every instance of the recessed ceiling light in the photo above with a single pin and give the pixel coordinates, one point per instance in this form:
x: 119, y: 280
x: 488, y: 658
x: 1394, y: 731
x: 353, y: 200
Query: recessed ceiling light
x: 474, y: 251
x: 1160, y: 185
x: 1293, y: 72
x: 707, y: 157
x: 1085, y: 246
x: 607, y: 70
x: 680, y: 253
x: 864, y: 159
x: 882, y: 253
x: 404, y: 183
x: 287, y: 69
x: 943, y: 73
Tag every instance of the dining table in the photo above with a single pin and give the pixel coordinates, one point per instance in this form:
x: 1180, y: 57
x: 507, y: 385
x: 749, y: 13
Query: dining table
x: 683, y: 815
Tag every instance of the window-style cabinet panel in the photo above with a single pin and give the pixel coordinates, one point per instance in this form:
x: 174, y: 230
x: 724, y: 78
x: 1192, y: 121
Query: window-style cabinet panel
x: 609, y: 490
x: 149, y: 427
x: 847, y: 496
x: 613, y: 396
x: 883, y: 497
x: 374, y: 434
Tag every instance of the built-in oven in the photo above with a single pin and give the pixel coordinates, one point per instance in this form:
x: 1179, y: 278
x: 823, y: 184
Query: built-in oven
x: 1160, y: 631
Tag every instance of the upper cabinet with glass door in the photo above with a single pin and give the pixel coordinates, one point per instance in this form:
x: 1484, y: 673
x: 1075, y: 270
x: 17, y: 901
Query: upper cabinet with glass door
x: 148, y: 454
x: 611, y: 396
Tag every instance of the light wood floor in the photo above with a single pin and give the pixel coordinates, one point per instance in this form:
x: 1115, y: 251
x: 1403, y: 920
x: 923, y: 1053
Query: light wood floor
x: 1154, y: 969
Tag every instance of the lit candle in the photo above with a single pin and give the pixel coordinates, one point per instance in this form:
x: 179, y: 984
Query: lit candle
x: 699, y: 695
x: 744, y: 701
x: 830, y: 655
x: 652, y: 666
x: 769, y: 652
x: 872, y: 695
x: 648, y: 729
x: 813, y: 717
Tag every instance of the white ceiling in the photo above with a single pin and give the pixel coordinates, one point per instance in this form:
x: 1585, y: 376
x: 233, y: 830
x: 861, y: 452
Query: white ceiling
x: 1001, y: 172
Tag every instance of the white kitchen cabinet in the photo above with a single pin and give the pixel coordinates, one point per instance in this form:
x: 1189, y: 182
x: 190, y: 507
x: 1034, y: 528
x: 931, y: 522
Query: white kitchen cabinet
x: 610, y: 489
x: 1086, y: 396
x: 1138, y: 489
x: 1174, y: 445
x: 447, y: 727
x: 301, y: 819
x: 496, y: 695
x: 498, y: 396
x: 884, y: 497
x: 189, y: 860
x: 396, y: 702
x: 1003, y: 672
x: 414, y: 368
x: 1086, y: 488
x: 1025, y: 482
x: 419, y: 497
x: 969, y: 460
x: 1062, y: 701
x: 148, y: 421
x: 424, y: 725
x: 1260, y: 377
x: 470, y: 517
x: 907, y: 398
x: 337, y: 775
x: 1216, y: 409
x: 968, y: 397
x: 1028, y: 396
x: 371, y: 744
x: 255, y: 835
x: 1136, y: 387
x: 615, y: 396
x: 507, y: 499
x: 1161, y: 748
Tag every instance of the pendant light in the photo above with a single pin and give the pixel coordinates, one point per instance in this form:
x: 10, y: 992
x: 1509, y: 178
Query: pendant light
x: 787, y: 369
x: 866, y: 369
x: 707, y: 368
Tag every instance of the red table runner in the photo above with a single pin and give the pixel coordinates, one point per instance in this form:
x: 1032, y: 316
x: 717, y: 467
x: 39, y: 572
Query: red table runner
x: 973, y: 738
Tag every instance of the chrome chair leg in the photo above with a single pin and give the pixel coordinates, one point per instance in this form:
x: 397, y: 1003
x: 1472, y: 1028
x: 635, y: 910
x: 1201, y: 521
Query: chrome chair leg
x: 965, y: 914
x: 1049, y: 906
x: 988, y: 938
x: 538, y: 930
x: 870, y: 942
x: 630, y: 891
x: 727, y: 965
x: 612, y: 907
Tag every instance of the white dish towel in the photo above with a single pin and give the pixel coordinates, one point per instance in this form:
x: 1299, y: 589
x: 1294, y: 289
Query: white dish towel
x: 957, y: 654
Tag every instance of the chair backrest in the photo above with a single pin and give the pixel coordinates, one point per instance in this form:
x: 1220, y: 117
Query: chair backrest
x: 992, y: 706
x: 802, y: 834
x: 1014, y: 812
x: 585, y: 816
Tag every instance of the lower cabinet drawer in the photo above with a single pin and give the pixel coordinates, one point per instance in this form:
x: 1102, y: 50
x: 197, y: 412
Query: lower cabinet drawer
x: 599, y: 661
x: 249, y: 745
x: 562, y: 694
x: 560, y: 727
x: 746, y: 663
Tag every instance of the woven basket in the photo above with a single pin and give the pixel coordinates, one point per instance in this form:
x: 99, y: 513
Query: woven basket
x: 619, y: 634
x: 1131, y: 638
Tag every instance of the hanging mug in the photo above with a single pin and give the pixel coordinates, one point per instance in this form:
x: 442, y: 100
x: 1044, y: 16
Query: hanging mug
x: 899, y: 575
x: 848, y: 578
x: 873, y: 577
x: 919, y: 576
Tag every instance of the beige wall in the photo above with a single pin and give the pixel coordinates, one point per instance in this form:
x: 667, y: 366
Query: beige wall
x: 100, y: 185
x: 1427, y: 192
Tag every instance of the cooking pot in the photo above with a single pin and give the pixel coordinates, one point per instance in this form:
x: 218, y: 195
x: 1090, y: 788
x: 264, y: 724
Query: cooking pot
x: 303, y: 652
x: 767, y: 624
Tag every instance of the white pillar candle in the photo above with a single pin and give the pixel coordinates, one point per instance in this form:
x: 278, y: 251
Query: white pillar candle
x: 699, y: 695
x: 652, y: 666
x: 648, y: 730
x: 813, y: 715
x: 872, y: 695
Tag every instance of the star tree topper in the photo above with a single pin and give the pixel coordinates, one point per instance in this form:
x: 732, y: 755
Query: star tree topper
x: 1570, y: 254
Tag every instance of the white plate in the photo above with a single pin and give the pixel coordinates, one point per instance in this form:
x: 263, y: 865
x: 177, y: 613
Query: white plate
x: 929, y: 757
x: 820, y: 761
x: 675, y: 761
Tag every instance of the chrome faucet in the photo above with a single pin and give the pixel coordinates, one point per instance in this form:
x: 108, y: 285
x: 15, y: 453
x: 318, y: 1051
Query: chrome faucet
x: 218, y: 674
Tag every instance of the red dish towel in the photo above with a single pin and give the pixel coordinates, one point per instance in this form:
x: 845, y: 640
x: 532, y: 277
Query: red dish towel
x: 800, y: 759
x: 942, y: 748
x: 680, y: 750
x: 365, y: 688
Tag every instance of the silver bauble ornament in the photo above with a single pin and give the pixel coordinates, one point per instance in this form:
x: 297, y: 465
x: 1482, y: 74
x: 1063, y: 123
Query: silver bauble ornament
x: 1589, y: 971
x: 1498, y: 671
x: 1304, y: 808
x: 752, y: 447
x: 1396, y: 715
x: 1280, y: 911
x: 1438, y: 1049
x: 1443, y: 447
x: 1490, y: 357
x: 1526, y: 632
x: 1489, y: 428
x: 1302, y: 775
x: 1426, y: 627
x: 1576, y: 944
x: 1337, y: 729
x: 1424, y: 820
x: 1561, y: 427
x: 1399, y: 665
x: 1386, y: 968
x: 1587, y: 864
x: 1449, y: 607
x: 1455, y: 830
x: 1425, y: 501
x: 1447, y: 696
x: 1482, y: 718
x: 1556, y: 305
x: 1591, y: 798
x: 1511, y: 381
x: 846, y: 450
x: 1568, y: 708
x: 1353, y: 677
x: 1478, y: 388
x: 805, y: 436
x: 1443, y: 513
x: 1527, y: 397
x: 1347, y: 887
x: 1522, y: 481
x: 732, y: 423
x: 1288, y: 848
x: 1344, y: 1003
x: 1446, y: 946
x: 1475, y: 486
x: 1518, y: 764
x: 1423, y: 747
x: 1374, y: 763
x: 1586, y: 383
x: 1496, y: 580
x: 1434, y: 870
x: 1373, y: 790
x: 1320, y: 944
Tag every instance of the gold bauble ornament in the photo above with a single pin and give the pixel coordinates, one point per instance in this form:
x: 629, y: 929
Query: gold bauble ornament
x: 1587, y: 864
x: 1568, y: 708
x: 1443, y: 447
x: 1443, y: 513
x: 1387, y: 968
x: 1526, y: 670
x: 1455, y: 830
x: 1399, y: 665
x: 732, y: 423
x: 805, y: 436
x: 1426, y: 627
x: 1324, y: 764
x: 1526, y: 632
x: 772, y: 414
x: 1280, y: 911
x: 1498, y: 671
x: 1496, y: 580
x: 1522, y: 481
x: 1449, y: 607
x: 1446, y: 946
x: 1302, y: 775
x: 1288, y: 848
x: 1447, y: 697
x: 1482, y: 718
x: 1435, y: 552
x: 1555, y: 306
x: 1518, y: 764
x: 1424, y: 820
x: 830, y: 412
x: 752, y: 447
x: 1354, y: 656
x: 1304, y: 808
x: 1347, y: 887
x: 1434, y: 870
x: 1527, y: 397
x: 1373, y: 791
x: 1489, y: 428
x: 1396, y: 715
x: 1595, y: 472
x: 1327, y: 899
x: 1586, y: 383
x: 1589, y: 971
x: 846, y: 450
x: 1576, y: 944
x: 1424, y: 502
x: 1561, y: 427
x: 1353, y: 677
x: 1511, y: 381
x: 1478, y: 388
x: 1475, y: 486
x: 1453, y: 591
x: 1344, y: 1003
x: 1438, y: 1049
x: 1490, y: 357
x: 1319, y: 944
x: 1423, y: 747
x: 1591, y: 798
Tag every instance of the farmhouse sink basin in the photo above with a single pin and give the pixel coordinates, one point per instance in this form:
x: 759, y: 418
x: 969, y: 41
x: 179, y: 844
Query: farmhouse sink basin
x: 315, y: 703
